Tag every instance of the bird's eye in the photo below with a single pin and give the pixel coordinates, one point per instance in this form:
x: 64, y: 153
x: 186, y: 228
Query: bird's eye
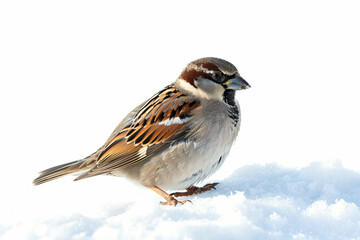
x: 217, y: 76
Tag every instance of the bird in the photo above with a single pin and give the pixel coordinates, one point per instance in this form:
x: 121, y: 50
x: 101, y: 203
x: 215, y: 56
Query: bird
x: 174, y: 140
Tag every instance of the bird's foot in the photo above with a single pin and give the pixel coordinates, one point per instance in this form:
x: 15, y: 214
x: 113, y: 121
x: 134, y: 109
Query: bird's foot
x: 195, y: 190
x: 171, y: 201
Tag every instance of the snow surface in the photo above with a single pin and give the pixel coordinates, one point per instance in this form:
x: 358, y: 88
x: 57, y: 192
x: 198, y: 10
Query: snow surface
x: 256, y: 202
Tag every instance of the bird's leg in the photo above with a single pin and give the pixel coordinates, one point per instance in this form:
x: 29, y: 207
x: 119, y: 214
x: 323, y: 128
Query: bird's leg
x: 195, y: 190
x: 170, y: 200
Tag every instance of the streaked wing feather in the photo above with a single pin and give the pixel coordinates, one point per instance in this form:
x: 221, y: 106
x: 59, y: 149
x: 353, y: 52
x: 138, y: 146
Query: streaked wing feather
x: 174, y: 105
x: 152, y: 128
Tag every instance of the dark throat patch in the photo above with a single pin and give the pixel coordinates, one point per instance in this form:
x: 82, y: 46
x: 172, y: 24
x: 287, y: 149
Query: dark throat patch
x: 229, y: 98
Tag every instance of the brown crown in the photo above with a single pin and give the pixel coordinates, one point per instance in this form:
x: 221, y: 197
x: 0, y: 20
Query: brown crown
x: 204, y: 67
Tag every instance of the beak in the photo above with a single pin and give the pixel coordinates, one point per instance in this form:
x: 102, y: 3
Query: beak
x: 236, y: 83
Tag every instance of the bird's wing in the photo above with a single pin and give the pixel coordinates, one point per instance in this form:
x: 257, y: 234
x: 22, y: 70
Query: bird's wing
x: 158, y: 123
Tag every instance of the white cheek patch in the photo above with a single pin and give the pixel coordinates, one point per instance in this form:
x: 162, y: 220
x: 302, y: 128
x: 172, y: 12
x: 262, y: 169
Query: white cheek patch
x: 172, y: 121
x: 209, y: 90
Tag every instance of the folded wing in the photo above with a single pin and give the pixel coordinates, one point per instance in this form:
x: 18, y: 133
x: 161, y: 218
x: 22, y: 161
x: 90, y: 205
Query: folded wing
x: 160, y: 122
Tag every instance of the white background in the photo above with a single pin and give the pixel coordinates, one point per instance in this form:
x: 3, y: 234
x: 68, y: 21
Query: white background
x: 70, y: 70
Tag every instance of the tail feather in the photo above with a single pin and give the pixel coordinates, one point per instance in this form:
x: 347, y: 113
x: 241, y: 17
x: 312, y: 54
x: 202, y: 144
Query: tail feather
x: 59, y: 171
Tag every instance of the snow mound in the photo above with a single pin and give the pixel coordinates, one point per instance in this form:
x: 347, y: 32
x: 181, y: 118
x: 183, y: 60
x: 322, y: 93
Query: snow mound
x: 255, y: 202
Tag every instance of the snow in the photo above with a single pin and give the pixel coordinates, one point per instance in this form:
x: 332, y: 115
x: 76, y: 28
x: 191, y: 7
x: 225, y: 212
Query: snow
x: 255, y: 202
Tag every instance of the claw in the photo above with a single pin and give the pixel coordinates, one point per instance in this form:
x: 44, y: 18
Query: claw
x: 211, y: 185
x: 173, y: 202
x: 195, y: 190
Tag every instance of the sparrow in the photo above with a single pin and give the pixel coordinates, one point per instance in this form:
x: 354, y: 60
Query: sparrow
x: 174, y: 140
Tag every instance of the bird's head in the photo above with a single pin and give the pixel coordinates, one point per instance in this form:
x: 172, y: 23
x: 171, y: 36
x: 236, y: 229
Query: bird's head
x: 210, y: 78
